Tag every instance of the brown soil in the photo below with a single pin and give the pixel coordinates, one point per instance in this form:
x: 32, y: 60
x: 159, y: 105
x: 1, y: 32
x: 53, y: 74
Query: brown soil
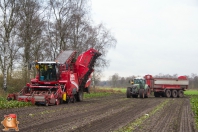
x: 106, y: 114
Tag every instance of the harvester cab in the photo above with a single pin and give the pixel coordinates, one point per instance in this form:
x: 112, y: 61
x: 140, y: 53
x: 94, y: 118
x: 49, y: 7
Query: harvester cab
x: 47, y: 71
x: 138, y: 88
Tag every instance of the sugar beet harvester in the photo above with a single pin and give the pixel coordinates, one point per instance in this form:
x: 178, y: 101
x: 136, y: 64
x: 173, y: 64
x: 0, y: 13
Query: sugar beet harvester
x: 60, y: 81
x: 164, y: 87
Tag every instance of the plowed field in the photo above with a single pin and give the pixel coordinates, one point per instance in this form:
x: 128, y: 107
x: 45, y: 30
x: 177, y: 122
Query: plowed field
x: 110, y: 113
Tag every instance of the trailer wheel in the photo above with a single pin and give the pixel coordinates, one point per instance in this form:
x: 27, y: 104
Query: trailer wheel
x: 128, y: 92
x: 174, y: 93
x: 156, y: 94
x: 180, y: 93
x: 141, y: 92
x: 168, y: 93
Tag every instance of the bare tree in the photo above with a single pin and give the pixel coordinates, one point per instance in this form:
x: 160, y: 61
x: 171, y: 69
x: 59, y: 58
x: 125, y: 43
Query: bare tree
x: 31, y: 27
x: 8, y: 20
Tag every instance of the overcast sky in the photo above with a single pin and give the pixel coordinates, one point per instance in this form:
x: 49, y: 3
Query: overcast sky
x: 153, y: 36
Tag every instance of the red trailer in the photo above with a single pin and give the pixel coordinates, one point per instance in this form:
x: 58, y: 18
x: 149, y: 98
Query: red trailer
x: 167, y: 87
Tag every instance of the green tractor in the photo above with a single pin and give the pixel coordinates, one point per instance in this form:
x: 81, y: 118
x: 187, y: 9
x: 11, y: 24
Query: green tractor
x: 138, y: 88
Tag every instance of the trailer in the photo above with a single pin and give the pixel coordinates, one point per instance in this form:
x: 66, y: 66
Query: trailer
x: 59, y: 81
x: 167, y: 87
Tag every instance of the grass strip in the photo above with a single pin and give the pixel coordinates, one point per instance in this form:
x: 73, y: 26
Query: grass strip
x: 133, y: 125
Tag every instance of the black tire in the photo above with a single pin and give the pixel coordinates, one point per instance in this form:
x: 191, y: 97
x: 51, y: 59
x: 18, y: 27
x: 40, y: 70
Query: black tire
x: 57, y: 102
x: 156, y: 94
x: 128, y: 92
x: 180, y: 94
x: 9, y: 99
x: 168, y: 93
x: 141, y: 93
x: 134, y: 96
x: 80, y: 96
x: 147, y: 93
x: 174, y: 93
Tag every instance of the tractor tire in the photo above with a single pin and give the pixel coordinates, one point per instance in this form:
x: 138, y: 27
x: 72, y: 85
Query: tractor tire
x: 79, y: 96
x: 128, y: 92
x: 180, y: 94
x: 134, y: 96
x: 156, y: 94
x: 174, y: 93
x: 147, y: 93
x: 141, y: 93
x: 168, y: 93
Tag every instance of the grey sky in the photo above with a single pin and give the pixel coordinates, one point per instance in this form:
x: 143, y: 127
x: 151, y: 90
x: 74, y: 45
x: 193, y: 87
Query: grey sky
x: 153, y: 36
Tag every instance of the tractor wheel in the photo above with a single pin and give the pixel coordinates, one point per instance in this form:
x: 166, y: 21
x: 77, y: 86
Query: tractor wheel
x: 134, y: 96
x: 141, y: 93
x: 128, y: 92
x: 174, y: 93
x: 180, y: 93
x: 168, y: 93
x: 147, y: 93
x: 79, y: 96
x: 156, y: 94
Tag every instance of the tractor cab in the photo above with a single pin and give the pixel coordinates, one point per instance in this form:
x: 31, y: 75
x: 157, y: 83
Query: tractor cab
x: 140, y: 81
x: 47, y: 71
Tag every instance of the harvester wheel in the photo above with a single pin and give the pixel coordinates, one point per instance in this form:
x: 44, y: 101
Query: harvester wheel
x: 8, y: 98
x: 57, y: 102
x: 46, y: 103
x: 174, y: 93
x: 180, y: 93
x: 141, y: 92
x: 79, y: 96
x: 128, y: 92
x: 168, y: 93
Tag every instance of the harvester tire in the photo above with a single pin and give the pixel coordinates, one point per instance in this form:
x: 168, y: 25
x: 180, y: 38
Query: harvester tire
x: 180, y: 94
x: 174, y: 93
x: 141, y: 92
x: 46, y: 103
x: 79, y: 96
x: 168, y: 93
x: 57, y: 102
x: 128, y: 92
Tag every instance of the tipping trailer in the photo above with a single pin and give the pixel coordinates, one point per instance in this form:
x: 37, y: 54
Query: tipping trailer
x: 63, y: 80
x: 167, y: 87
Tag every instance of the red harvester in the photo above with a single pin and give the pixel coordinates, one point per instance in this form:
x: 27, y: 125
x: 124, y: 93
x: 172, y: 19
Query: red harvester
x: 59, y: 81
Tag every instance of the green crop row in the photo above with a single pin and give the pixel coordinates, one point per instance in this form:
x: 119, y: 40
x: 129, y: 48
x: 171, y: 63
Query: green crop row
x: 12, y: 104
x: 194, y: 106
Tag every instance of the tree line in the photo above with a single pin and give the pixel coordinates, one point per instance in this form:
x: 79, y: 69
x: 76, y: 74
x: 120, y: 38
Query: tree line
x: 122, y: 82
x: 40, y: 29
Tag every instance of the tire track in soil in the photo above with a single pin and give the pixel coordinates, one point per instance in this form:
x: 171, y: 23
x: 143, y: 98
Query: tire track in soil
x: 71, y: 112
x: 170, y: 118
x: 187, y: 120
x: 120, y: 119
